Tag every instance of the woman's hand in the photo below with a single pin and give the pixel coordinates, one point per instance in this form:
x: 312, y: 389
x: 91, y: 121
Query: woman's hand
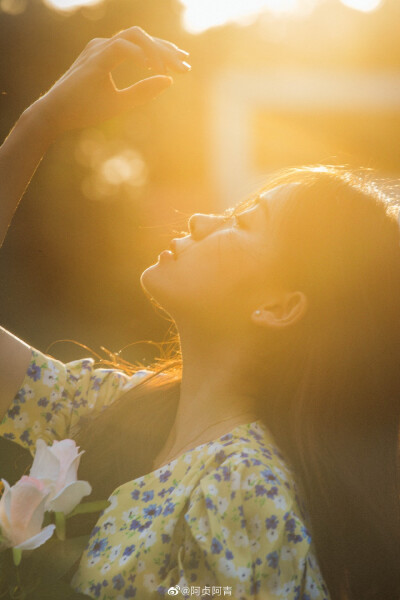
x: 86, y: 94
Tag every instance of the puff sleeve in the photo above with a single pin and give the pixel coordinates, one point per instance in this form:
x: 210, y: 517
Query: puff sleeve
x: 55, y: 395
x: 246, y: 538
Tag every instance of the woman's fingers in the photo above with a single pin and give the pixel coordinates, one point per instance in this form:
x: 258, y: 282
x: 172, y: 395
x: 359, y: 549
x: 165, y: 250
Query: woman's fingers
x: 117, y: 50
x: 143, y: 91
x: 161, y: 54
x: 150, y: 47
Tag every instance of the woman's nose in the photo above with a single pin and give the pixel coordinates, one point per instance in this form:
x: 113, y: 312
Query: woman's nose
x: 201, y: 225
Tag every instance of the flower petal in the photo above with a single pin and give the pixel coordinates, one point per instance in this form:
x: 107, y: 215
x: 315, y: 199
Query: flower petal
x: 27, y: 509
x: 45, y: 464
x: 69, y: 497
x: 38, y: 539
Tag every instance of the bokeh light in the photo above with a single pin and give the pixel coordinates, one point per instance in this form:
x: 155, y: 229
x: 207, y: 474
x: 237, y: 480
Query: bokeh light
x: 200, y: 16
x: 70, y: 5
x: 363, y: 5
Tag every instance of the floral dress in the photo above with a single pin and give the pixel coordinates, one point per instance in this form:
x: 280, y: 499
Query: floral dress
x: 222, y: 519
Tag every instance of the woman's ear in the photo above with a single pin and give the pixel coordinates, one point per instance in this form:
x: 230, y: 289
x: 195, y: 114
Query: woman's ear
x: 286, y: 310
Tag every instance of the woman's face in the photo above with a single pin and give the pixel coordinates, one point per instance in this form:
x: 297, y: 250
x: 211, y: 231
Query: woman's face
x: 225, y: 267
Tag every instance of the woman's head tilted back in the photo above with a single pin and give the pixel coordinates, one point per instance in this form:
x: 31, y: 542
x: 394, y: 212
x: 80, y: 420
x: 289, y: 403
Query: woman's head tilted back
x: 305, y: 279
x: 307, y: 273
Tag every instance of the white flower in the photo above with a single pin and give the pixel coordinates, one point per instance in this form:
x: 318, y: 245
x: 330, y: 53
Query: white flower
x: 170, y: 526
x: 106, y: 567
x: 22, y: 508
x: 113, y: 500
x: 93, y: 560
x: 151, y: 539
x: 254, y: 545
x: 28, y: 392
x: 109, y: 525
x: 272, y: 535
x: 212, y: 489
x: 225, y: 532
x: 187, y: 458
x: 286, y: 589
x: 114, y: 553
x: 288, y: 553
x: 240, y: 590
x: 179, y: 490
x: 255, y: 525
x: 311, y: 587
x: 222, y: 505
x: 249, y: 481
x: 243, y: 573
x: 150, y: 582
x: 235, y: 480
x: 21, y: 420
x: 214, y: 448
x: 130, y: 514
x: 280, y: 502
x: 240, y: 538
x: 226, y: 567
x: 203, y: 524
x: 36, y: 427
x: 50, y: 375
x: 140, y: 566
x: 56, y: 467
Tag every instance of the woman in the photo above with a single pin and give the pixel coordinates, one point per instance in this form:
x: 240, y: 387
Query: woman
x: 287, y: 309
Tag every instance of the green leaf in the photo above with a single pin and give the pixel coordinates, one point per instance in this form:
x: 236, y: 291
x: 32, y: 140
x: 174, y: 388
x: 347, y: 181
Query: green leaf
x: 89, y: 507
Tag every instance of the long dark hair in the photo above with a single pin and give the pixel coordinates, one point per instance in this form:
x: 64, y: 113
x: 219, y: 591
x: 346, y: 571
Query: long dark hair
x: 334, y: 398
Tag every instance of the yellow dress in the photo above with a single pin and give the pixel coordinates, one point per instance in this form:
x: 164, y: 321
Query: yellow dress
x: 221, y: 520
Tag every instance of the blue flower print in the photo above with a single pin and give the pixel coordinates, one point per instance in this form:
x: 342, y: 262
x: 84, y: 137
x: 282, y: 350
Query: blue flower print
x: 118, y: 582
x: 216, y: 546
x: 148, y: 495
x: 152, y: 511
x: 13, y: 411
x: 96, y: 589
x: 164, y: 476
x: 271, y: 522
x: 97, y: 547
x: 135, y: 494
x: 228, y: 554
x: 130, y: 592
x: 24, y: 437
x: 169, y: 509
x: 128, y: 550
x: 34, y: 371
x: 43, y: 402
x: 273, y: 559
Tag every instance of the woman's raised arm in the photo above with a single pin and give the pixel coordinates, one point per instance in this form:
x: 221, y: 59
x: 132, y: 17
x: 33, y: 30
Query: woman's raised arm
x: 85, y: 95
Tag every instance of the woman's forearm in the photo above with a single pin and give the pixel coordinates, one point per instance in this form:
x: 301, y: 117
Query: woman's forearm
x: 20, y: 155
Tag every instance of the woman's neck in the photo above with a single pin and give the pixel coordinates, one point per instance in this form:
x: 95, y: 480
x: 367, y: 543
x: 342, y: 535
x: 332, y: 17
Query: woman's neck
x: 215, y: 397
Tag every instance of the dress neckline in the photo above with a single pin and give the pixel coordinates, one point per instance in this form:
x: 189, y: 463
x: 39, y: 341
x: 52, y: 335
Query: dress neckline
x: 199, y: 446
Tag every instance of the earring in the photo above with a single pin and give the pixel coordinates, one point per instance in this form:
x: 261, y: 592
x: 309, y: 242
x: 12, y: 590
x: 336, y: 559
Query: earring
x: 257, y: 313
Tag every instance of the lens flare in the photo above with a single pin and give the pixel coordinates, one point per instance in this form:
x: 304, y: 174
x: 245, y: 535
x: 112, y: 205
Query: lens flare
x: 363, y: 5
x: 200, y: 16
x: 69, y: 5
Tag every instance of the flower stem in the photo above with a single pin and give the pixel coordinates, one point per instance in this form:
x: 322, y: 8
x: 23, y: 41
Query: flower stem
x: 17, y: 556
x: 60, y: 525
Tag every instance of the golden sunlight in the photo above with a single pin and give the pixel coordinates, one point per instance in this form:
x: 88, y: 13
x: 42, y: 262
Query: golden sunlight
x: 200, y: 16
x: 363, y: 5
x: 67, y: 5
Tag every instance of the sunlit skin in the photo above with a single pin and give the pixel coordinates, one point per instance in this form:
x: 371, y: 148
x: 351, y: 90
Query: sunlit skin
x: 220, y: 289
x: 218, y: 284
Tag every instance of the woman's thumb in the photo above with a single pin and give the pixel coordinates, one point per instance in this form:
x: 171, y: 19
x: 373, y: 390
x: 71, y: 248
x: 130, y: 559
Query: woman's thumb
x: 145, y: 90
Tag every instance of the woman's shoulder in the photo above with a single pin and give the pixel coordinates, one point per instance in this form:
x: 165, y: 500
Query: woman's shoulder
x: 54, y: 395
